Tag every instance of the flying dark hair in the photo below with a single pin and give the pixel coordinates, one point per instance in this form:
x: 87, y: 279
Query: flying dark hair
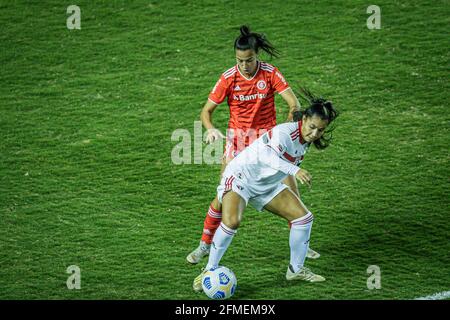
x: 254, y: 41
x: 321, y: 107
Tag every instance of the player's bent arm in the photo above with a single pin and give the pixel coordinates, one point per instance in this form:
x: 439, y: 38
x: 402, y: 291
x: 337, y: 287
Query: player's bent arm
x: 206, y: 118
x: 271, y: 158
x: 206, y: 114
x: 292, y: 101
x: 304, y: 177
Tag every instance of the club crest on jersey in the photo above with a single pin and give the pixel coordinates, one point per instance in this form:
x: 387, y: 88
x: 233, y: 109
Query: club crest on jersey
x: 261, y: 85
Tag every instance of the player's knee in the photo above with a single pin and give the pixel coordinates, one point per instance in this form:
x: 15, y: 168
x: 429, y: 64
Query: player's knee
x: 232, y: 222
x: 235, y: 223
x: 300, y: 214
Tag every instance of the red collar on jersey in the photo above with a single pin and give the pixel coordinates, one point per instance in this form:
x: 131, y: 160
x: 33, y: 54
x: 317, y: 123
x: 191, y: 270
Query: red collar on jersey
x: 300, y: 137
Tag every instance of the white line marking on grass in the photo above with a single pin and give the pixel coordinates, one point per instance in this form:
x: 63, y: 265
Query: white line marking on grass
x: 437, y: 296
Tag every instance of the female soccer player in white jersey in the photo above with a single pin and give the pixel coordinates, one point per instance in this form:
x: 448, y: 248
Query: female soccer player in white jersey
x: 249, y: 88
x: 255, y: 176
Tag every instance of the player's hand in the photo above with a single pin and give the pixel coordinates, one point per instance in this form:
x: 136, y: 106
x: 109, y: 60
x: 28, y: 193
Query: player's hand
x: 304, y: 177
x: 213, y: 135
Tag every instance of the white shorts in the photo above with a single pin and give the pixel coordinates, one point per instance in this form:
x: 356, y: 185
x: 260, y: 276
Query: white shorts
x: 238, y: 183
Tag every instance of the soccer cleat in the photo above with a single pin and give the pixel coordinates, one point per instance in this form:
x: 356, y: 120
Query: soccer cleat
x: 201, y: 251
x: 311, y: 254
x: 302, y: 274
x: 197, y: 284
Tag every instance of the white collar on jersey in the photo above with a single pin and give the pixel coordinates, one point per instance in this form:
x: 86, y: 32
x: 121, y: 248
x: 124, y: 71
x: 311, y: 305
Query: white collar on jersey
x: 248, y: 79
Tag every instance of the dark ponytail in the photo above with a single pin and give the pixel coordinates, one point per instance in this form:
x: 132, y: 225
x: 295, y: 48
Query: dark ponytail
x: 254, y: 41
x: 318, y: 106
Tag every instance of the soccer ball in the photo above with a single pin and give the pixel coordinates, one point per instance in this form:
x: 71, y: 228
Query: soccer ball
x: 219, y: 283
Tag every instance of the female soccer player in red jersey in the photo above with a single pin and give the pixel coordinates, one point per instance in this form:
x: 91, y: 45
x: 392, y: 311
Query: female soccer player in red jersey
x: 249, y: 88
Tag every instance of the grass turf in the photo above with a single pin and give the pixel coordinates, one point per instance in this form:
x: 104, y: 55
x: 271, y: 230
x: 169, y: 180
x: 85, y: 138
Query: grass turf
x: 85, y: 156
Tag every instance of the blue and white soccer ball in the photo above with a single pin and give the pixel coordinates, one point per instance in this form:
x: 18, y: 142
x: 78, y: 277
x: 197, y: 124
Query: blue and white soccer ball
x: 219, y: 283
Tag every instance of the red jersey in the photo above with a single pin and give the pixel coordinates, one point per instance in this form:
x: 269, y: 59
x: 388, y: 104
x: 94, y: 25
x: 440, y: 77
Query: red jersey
x: 251, y: 101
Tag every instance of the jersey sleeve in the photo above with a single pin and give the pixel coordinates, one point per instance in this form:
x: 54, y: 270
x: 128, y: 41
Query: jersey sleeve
x: 275, y: 144
x: 279, y: 83
x: 219, y: 92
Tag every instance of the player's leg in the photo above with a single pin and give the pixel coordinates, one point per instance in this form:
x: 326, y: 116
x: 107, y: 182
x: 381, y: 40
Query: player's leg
x: 212, y: 221
x: 287, y: 205
x: 210, y: 225
x: 291, y: 182
x: 233, y: 206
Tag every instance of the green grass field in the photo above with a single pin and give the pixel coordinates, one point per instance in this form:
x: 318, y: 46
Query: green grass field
x: 87, y: 179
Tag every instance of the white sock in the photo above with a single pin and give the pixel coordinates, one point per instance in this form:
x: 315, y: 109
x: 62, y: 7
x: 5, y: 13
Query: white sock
x: 299, y: 240
x: 220, y: 242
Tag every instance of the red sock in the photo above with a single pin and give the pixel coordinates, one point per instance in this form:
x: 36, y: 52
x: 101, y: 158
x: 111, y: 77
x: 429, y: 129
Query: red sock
x: 211, y: 223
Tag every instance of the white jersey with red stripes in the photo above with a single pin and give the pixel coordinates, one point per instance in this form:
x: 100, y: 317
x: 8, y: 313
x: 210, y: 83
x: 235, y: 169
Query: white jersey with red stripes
x: 269, y: 159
